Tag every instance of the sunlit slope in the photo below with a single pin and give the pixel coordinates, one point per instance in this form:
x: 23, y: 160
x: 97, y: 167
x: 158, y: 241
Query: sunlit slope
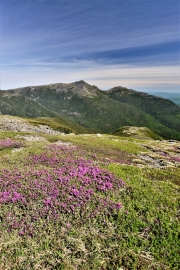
x: 136, y: 132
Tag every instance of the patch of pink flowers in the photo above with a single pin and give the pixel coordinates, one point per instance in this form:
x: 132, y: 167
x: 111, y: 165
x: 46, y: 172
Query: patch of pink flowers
x: 174, y: 158
x: 9, y: 143
x: 171, y: 158
x: 60, y: 181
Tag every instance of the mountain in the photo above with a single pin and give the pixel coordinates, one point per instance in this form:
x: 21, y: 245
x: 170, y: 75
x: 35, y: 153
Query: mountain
x: 90, y: 107
x: 162, y: 110
x: 174, y: 96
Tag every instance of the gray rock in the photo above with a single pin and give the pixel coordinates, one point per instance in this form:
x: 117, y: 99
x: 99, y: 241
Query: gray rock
x: 20, y: 125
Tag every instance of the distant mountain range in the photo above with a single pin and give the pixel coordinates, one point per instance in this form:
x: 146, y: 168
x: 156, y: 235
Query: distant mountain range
x: 173, y: 96
x: 95, y: 109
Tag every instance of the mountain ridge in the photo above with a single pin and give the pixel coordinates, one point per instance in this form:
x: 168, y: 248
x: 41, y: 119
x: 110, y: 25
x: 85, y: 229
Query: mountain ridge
x: 101, y: 110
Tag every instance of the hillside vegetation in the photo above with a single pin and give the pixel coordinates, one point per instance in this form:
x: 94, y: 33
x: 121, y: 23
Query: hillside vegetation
x: 91, y: 201
x: 94, y: 109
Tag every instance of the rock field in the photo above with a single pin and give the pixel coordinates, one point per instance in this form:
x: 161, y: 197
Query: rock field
x: 21, y: 125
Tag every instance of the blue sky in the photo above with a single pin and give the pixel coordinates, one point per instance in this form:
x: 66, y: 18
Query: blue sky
x: 132, y: 43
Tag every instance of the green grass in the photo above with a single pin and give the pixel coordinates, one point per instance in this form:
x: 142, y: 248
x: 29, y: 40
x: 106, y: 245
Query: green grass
x: 51, y: 124
x: 151, y: 205
x: 137, y: 132
x: 142, y: 235
x: 59, y: 124
x: 8, y: 134
x: 103, y: 142
x: 170, y: 175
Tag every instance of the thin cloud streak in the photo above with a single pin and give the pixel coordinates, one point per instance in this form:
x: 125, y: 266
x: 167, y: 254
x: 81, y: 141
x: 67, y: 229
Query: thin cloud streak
x: 111, y: 30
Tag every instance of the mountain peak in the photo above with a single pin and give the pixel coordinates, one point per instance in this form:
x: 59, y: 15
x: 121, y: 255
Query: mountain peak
x: 80, y: 82
x: 83, y: 89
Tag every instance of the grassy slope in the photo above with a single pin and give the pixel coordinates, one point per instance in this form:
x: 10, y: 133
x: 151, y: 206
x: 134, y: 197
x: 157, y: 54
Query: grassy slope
x: 59, y: 124
x: 24, y: 107
x: 138, y: 132
x: 142, y: 235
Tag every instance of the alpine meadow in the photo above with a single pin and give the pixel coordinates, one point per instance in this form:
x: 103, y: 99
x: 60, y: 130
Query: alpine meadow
x: 89, y: 135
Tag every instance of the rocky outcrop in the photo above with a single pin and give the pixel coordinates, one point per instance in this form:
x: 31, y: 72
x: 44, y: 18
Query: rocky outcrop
x: 20, y: 125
